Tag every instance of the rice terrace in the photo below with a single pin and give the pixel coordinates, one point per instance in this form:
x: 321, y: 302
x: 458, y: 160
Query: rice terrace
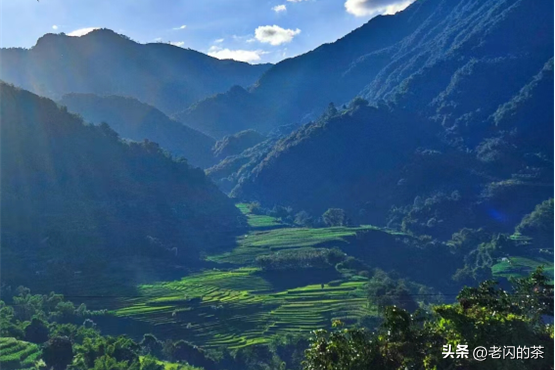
x: 239, y: 304
x: 242, y: 306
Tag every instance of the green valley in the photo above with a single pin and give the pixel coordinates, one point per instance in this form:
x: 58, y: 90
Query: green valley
x: 243, y: 305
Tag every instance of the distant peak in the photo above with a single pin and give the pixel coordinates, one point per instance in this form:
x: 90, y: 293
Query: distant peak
x: 53, y: 39
x: 105, y: 33
x: 50, y: 39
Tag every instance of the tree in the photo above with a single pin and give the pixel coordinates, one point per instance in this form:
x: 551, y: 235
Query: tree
x: 335, y: 217
x: 330, y: 111
x: 358, y: 102
x: 483, y: 316
x: 107, y: 362
x: 151, y: 345
x: 150, y: 363
x: 303, y: 219
x: 57, y: 353
x: 539, y: 224
x: 36, y: 331
x: 384, y: 291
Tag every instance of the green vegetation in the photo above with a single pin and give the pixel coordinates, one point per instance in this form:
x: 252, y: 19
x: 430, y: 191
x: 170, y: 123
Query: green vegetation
x: 520, y: 266
x: 237, y: 143
x: 484, y: 316
x: 17, y: 354
x: 146, y: 363
x: 82, y: 204
x: 137, y: 121
x: 258, y: 221
x: 240, y: 307
x: 259, y: 243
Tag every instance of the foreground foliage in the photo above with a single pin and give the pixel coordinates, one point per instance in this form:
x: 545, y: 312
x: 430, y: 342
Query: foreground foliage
x: 484, y: 316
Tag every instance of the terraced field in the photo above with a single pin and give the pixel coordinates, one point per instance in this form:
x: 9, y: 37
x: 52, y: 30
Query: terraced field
x: 174, y: 366
x: 238, y: 308
x: 520, y: 267
x: 16, y: 354
x: 265, y: 242
x: 243, y: 305
x: 259, y: 221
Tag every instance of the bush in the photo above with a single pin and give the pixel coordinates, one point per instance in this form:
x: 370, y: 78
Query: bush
x: 539, y: 224
x: 335, y: 217
x: 304, y: 219
x: 36, y: 331
x: 351, y: 263
x: 57, y: 353
x: 150, y: 363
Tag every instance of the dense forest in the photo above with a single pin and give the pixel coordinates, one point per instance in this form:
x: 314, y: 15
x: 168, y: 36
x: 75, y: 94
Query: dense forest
x: 78, y: 201
x: 370, y: 204
x: 137, y: 121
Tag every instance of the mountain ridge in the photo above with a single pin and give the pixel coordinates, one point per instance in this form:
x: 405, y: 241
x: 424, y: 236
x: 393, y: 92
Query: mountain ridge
x: 166, y: 76
x: 75, y: 197
x: 137, y: 121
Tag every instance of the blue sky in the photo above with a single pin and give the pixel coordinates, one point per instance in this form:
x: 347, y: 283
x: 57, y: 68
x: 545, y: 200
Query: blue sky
x: 255, y: 31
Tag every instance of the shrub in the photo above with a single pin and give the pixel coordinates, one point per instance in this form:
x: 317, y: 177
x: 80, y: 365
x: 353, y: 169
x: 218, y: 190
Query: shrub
x: 335, y: 217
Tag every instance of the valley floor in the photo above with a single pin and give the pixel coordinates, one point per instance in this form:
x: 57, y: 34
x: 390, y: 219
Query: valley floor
x: 238, y: 304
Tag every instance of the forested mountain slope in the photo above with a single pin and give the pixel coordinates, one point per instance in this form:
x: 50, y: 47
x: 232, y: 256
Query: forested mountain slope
x: 448, y: 58
x: 78, y: 202
x: 457, y: 142
x: 137, y: 121
x: 386, y: 165
x: 165, y: 76
x: 236, y: 144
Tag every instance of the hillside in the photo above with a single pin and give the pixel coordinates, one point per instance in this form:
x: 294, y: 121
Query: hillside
x: 137, y: 121
x: 385, y: 165
x: 165, y: 76
x: 237, y: 143
x: 429, y: 57
x: 456, y: 143
x: 77, y: 203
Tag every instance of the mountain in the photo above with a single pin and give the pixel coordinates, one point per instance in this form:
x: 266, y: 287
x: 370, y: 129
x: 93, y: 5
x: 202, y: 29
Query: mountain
x: 137, y: 121
x: 165, y: 76
x: 236, y: 144
x: 443, y: 139
x: 425, y: 56
x: 79, y: 204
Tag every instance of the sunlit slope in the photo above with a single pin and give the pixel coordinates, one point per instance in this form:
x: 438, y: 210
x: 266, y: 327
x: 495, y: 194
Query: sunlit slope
x: 16, y: 354
x: 80, y: 203
x: 246, y: 305
x: 519, y: 267
x: 239, y: 307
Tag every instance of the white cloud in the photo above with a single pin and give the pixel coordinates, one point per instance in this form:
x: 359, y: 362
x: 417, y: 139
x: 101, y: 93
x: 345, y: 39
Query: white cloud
x: 362, y: 8
x: 279, y: 8
x: 82, y: 31
x: 158, y: 39
x: 177, y: 43
x: 295, y: 1
x: 275, y: 35
x: 180, y: 27
x: 240, y: 55
x: 54, y: 27
x: 219, y: 41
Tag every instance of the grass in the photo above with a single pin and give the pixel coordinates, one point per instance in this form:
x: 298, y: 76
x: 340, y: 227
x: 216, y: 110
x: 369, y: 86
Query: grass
x: 259, y: 221
x: 259, y: 243
x: 173, y: 366
x: 521, y: 267
x: 238, y: 308
x: 16, y: 354
x: 242, y: 306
